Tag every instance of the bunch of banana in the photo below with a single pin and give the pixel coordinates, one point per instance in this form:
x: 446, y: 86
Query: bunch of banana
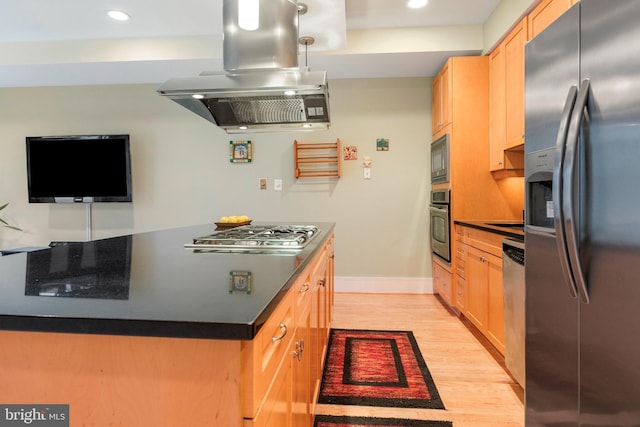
x: 233, y: 219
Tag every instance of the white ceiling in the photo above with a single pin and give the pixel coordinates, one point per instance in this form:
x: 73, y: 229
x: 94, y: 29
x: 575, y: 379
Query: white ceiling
x: 71, y: 42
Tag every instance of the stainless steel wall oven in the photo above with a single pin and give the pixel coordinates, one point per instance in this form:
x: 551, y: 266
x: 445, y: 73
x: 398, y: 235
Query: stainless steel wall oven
x: 440, y: 224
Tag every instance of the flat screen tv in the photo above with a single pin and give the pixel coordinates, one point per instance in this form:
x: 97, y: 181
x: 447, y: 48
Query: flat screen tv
x: 78, y: 169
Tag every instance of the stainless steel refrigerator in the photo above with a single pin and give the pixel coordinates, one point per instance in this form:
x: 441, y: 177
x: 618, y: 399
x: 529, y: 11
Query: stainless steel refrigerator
x: 582, y: 241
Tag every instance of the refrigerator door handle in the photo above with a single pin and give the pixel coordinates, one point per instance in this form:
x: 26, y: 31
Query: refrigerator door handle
x: 558, y: 190
x: 580, y: 115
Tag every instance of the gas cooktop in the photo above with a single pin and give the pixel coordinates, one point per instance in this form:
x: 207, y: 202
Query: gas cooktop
x: 256, y: 239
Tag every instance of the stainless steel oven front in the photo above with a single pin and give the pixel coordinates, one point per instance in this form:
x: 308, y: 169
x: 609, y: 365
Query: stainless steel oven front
x: 440, y: 224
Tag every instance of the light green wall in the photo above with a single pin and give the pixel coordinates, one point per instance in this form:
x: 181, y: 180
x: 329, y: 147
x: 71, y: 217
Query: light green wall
x: 182, y: 174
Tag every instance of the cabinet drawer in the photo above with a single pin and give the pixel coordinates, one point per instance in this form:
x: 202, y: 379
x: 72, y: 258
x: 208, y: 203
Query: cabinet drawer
x: 302, y: 291
x: 262, y: 356
x: 461, y: 258
x: 460, y: 268
x: 319, y: 269
x: 484, y: 240
x: 442, y: 282
x: 460, y: 288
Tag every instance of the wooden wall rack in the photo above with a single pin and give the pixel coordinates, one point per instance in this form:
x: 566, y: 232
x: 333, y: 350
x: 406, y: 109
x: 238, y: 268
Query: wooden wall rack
x: 316, y: 159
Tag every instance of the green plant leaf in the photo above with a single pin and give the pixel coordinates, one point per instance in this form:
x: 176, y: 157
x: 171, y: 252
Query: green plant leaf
x: 5, y: 223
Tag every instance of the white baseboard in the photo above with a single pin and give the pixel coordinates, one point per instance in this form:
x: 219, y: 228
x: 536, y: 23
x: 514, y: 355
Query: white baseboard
x: 389, y: 285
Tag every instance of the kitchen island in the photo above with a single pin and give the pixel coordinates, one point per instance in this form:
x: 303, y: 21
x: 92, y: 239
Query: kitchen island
x: 138, y: 330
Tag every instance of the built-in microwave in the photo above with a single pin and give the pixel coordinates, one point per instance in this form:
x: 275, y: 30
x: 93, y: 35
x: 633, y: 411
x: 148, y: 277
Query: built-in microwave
x: 440, y: 160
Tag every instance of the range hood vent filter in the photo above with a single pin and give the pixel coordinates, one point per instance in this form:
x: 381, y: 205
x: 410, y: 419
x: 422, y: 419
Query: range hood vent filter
x: 276, y: 110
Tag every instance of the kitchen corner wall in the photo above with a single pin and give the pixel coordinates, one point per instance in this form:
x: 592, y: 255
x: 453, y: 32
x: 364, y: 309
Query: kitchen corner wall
x: 182, y: 174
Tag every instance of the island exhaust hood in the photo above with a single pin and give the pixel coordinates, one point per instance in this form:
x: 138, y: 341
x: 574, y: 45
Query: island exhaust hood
x: 263, y: 88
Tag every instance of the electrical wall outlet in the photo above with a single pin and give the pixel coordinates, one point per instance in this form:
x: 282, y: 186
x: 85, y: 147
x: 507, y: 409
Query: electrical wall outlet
x: 263, y: 183
x: 277, y: 184
x: 366, y: 173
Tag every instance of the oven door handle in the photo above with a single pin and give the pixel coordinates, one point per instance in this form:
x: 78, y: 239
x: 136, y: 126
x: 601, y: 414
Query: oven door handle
x: 433, y: 208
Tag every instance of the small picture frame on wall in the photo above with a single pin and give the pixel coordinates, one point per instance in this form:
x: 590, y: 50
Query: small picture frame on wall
x: 240, y: 152
x: 382, y: 144
x: 350, y: 152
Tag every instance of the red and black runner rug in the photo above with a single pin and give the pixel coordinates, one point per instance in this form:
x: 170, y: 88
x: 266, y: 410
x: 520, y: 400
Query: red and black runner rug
x: 346, y: 421
x: 377, y: 368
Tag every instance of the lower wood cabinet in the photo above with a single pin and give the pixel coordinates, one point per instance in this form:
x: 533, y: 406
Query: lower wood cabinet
x: 163, y: 381
x: 482, y: 281
x: 276, y: 410
x: 442, y: 282
x: 301, y: 379
x: 300, y: 371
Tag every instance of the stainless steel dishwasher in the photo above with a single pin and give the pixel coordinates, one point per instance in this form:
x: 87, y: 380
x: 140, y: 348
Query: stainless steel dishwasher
x: 514, y: 316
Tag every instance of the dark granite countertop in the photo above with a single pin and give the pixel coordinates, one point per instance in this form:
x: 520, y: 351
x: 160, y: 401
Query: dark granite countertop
x: 147, y: 284
x: 511, y: 229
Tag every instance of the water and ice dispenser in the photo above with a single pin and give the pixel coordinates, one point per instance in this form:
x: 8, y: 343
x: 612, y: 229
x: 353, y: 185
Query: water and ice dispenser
x: 539, y: 186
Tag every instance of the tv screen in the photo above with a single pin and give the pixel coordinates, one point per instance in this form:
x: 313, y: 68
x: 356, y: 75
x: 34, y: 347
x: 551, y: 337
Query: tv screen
x: 78, y: 169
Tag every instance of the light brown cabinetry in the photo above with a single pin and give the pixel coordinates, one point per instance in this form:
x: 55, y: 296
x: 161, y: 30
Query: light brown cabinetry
x: 277, y: 408
x: 497, y: 109
x: 507, y: 88
x: 506, y: 71
x: 544, y: 14
x: 441, y: 96
x: 481, y: 253
x: 159, y: 381
x: 460, y: 263
x: 442, y: 282
x: 318, y: 326
x: 514, y: 90
x: 304, y: 358
x: 466, y: 80
x: 263, y: 355
x: 314, y: 311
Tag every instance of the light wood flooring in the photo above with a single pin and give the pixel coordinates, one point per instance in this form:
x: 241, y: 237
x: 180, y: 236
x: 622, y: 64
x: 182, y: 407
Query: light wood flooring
x: 469, y: 373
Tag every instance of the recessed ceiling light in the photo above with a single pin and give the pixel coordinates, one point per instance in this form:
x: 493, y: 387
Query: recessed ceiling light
x: 118, y: 15
x: 417, y: 4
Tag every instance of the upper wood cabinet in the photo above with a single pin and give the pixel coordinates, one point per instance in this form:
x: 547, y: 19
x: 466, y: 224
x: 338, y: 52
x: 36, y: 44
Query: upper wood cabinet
x: 514, y: 78
x: 506, y: 101
x: 441, y: 96
x: 497, y: 109
x: 506, y: 89
x: 545, y: 13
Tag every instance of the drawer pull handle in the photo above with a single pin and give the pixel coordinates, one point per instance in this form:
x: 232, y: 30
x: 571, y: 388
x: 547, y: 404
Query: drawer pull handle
x: 321, y: 282
x: 304, y: 288
x: 282, y: 335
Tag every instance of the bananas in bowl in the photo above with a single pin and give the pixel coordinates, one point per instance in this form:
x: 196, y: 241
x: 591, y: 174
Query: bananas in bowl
x: 233, y: 221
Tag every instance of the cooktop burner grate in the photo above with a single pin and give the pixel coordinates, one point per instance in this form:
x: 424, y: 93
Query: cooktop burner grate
x: 258, y: 238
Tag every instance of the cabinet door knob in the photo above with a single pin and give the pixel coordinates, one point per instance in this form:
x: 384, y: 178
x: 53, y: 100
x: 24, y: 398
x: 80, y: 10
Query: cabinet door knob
x: 297, y: 353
